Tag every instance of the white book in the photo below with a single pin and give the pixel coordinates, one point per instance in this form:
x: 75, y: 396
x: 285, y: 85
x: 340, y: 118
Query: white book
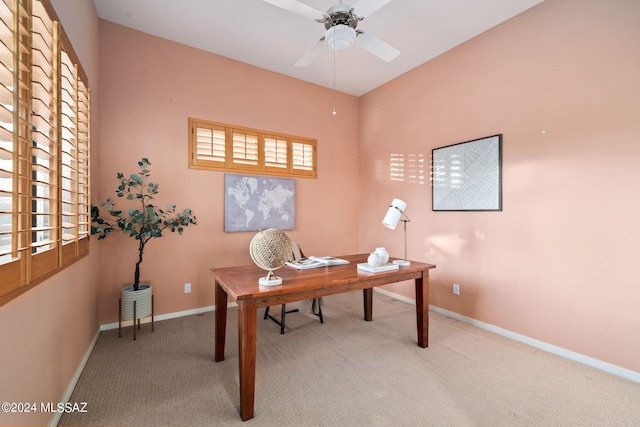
x: 329, y: 260
x: 384, y: 267
x: 316, y: 262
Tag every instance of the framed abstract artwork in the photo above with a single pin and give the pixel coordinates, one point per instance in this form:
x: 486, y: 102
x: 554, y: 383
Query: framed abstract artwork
x: 468, y: 176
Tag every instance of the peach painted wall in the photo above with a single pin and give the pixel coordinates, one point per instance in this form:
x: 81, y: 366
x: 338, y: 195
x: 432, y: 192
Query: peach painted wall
x: 45, y: 332
x: 559, y: 263
x: 555, y: 265
x: 150, y: 87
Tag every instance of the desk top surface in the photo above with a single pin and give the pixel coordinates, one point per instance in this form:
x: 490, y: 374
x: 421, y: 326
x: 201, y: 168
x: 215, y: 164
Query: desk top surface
x: 241, y: 282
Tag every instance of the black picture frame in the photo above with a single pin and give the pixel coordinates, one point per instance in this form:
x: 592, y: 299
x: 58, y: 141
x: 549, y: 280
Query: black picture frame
x: 467, y: 176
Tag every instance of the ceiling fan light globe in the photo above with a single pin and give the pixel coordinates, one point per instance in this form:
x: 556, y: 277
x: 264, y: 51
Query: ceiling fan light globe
x: 340, y: 37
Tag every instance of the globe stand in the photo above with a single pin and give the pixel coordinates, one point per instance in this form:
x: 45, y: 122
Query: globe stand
x: 270, y: 280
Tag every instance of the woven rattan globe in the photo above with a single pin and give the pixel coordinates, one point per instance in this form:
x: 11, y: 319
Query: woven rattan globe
x: 270, y: 249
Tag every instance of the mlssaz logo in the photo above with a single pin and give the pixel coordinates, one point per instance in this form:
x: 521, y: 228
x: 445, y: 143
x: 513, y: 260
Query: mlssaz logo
x: 62, y: 407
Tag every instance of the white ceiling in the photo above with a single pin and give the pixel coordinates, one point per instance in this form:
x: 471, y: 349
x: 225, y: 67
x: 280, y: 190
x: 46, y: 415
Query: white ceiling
x: 268, y: 37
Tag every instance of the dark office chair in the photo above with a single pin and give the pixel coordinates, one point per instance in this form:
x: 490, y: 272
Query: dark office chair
x: 315, y: 303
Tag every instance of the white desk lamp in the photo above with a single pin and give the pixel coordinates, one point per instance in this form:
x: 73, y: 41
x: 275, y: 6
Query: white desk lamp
x: 395, y: 214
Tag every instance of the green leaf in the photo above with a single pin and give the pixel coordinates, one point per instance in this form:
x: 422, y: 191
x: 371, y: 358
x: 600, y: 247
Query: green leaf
x: 142, y: 225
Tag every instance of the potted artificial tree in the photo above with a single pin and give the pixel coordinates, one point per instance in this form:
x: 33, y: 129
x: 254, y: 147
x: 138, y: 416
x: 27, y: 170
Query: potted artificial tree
x: 143, y: 222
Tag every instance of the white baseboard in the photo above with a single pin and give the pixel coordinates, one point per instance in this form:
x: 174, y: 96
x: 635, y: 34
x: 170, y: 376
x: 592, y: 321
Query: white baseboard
x: 55, y: 419
x: 167, y: 316
x: 568, y: 354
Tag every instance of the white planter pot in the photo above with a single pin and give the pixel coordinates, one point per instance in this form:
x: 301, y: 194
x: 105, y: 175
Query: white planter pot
x: 143, y: 300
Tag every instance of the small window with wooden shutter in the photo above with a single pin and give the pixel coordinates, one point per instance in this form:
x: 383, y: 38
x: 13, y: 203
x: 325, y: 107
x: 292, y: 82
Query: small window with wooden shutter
x: 223, y: 147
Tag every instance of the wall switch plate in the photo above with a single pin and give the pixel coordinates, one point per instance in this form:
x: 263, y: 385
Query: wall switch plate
x: 187, y: 288
x: 456, y: 289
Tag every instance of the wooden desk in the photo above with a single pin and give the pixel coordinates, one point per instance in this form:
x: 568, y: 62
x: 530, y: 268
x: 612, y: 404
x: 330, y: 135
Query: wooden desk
x: 241, y: 284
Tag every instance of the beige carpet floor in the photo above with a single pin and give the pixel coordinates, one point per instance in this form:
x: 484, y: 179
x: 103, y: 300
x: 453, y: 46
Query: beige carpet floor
x: 345, y: 372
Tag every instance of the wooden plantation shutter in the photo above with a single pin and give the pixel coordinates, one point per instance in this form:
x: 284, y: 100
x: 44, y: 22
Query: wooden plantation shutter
x: 8, y: 171
x: 69, y: 151
x: 304, y: 157
x: 22, y: 143
x: 44, y: 148
x: 207, y: 145
x: 276, y: 153
x: 74, y: 157
x: 244, y: 148
x: 14, y: 152
x: 83, y: 161
x: 221, y: 147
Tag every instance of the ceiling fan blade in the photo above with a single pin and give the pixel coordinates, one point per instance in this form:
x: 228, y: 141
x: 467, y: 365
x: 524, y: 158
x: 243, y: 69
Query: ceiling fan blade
x: 297, y: 7
x: 310, y: 54
x: 364, y: 8
x: 374, y: 45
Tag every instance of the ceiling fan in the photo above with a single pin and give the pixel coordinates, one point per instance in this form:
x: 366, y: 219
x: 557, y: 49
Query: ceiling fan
x: 340, y: 23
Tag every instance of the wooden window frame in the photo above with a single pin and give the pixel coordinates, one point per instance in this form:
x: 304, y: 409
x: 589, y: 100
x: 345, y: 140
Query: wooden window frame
x: 46, y: 164
x: 205, y: 151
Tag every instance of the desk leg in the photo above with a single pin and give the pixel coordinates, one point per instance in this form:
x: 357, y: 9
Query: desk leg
x: 422, y: 309
x: 221, y: 322
x: 368, y: 304
x: 247, y: 314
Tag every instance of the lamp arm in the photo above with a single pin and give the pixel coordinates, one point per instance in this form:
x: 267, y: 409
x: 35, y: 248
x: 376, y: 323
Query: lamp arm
x: 404, y: 223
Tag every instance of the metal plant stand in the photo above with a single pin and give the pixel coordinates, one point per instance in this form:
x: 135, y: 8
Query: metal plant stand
x: 134, y: 318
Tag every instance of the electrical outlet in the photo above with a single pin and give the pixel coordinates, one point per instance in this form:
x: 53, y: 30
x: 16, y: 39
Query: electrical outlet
x: 187, y: 288
x: 456, y: 289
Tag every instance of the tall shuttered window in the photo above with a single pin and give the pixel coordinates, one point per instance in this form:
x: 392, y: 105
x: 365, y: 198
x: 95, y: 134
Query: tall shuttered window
x: 223, y: 147
x: 44, y: 148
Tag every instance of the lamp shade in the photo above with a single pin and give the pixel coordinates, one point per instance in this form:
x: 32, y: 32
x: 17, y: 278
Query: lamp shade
x: 394, y: 214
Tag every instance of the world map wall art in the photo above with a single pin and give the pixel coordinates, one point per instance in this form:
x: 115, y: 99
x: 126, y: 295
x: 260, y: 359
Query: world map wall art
x: 468, y: 176
x: 254, y: 202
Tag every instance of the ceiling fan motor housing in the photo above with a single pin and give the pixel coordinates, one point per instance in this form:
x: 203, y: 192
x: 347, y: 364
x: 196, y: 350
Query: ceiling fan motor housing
x: 340, y: 14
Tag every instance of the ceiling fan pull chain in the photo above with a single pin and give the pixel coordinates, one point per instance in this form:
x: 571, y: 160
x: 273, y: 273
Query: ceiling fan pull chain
x: 334, y: 84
